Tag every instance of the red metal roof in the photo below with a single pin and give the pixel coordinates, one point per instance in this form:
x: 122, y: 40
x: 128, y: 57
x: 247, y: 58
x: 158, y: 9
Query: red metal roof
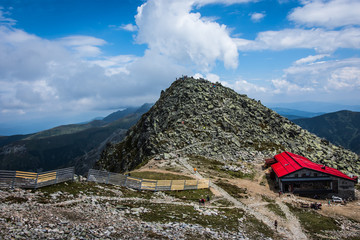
x: 288, y: 162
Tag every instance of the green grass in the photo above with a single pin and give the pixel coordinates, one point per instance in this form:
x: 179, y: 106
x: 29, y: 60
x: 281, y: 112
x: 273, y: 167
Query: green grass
x: 223, y: 203
x: 203, y: 163
x: 313, y: 222
x: 206, y: 162
x: 233, y: 190
x: 159, y: 176
x: 257, y: 229
x: 227, y: 219
x: 276, y: 209
x: 273, y: 206
x: 191, y: 195
x: 239, y: 174
x: 72, y: 190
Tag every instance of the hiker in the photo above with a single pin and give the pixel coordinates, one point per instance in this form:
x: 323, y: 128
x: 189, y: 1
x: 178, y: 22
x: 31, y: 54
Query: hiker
x: 275, y: 224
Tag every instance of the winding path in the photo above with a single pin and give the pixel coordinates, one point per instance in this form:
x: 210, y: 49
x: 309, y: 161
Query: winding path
x: 292, y: 223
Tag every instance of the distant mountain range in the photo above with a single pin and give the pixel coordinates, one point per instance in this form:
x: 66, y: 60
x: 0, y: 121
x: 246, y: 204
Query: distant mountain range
x: 315, y: 107
x: 340, y: 128
x: 292, y: 114
x: 68, y: 145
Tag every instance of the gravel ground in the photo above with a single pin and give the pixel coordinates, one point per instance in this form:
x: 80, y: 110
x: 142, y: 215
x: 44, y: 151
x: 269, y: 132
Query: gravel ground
x: 88, y: 217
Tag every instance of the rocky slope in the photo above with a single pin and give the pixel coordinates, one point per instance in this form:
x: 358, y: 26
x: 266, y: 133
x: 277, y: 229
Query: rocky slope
x: 197, y: 117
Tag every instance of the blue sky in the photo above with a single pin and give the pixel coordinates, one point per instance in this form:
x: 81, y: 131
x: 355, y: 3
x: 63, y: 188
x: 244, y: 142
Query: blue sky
x: 69, y: 61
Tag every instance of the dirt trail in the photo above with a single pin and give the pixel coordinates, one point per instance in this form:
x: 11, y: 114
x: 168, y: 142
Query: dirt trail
x: 227, y: 196
x: 292, y: 223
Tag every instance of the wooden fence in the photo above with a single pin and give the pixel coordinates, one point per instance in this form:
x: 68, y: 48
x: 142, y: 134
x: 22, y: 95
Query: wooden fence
x: 12, y: 179
x: 145, y: 184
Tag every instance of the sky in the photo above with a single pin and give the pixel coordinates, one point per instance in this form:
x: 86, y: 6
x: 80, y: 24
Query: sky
x: 68, y: 61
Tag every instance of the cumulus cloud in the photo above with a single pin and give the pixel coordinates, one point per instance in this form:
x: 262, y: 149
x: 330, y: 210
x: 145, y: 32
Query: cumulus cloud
x: 172, y: 29
x: 72, y: 73
x: 329, y: 14
x: 283, y: 86
x: 257, y: 17
x: 210, y: 76
x: 244, y: 87
x: 320, y: 79
x: 344, y: 78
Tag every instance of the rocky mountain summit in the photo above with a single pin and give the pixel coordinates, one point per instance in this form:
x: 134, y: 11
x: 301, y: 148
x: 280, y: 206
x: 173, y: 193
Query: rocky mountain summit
x: 195, y: 117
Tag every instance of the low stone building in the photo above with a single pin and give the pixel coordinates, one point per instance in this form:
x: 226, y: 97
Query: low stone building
x: 299, y: 175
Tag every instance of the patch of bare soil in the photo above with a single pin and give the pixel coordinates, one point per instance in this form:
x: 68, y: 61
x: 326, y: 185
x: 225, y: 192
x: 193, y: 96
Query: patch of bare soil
x: 350, y: 210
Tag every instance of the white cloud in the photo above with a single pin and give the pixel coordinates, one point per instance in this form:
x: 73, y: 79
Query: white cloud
x: 171, y: 28
x: 257, y: 17
x: 72, y: 74
x: 129, y: 27
x: 329, y: 14
x: 311, y: 59
x: 38, y: 74
x: 116, y: 64
x: 226, y: 2
x: 210, y: 76
x: 5, y: 20
x: 320, y: 80
x: 319, y: 39
x: 283, y: 86
x: 84, y: 46
x: 198, y: 76
x: 344, y: 78
x: 244, y: 87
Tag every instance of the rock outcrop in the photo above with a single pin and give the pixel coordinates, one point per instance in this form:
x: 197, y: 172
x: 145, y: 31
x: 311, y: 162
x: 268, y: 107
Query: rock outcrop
x: 197, y: 117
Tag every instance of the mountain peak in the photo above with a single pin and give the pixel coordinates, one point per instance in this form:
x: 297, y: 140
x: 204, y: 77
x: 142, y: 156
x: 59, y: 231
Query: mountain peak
x: 201, y: 118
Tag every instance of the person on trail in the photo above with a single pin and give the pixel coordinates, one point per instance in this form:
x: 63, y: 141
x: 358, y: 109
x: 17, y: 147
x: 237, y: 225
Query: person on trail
x: 275, y: 224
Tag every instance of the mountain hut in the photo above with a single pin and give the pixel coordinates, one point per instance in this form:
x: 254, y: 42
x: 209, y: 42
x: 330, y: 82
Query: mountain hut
x: 299, y: 175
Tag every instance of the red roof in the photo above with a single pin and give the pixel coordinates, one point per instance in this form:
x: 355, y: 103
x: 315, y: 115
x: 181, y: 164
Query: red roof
x: 288, y: 162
